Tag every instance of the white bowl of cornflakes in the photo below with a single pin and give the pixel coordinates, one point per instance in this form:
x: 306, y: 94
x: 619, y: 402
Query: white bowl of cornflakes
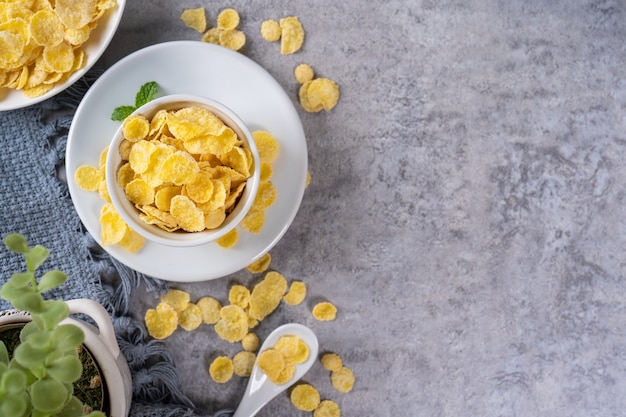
x: 182, y: 170
x: 47, y: 46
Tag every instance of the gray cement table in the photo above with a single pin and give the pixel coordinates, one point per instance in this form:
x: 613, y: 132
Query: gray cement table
x: 466, y: 212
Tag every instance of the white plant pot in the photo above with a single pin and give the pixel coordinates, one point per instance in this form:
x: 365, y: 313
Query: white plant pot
x: 102, y: 344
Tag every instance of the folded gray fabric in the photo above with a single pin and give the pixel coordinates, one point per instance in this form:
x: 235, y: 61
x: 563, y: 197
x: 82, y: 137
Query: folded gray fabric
x: 34, y: 201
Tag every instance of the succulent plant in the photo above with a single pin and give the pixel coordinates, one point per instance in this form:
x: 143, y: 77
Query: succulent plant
x: 38, y: 379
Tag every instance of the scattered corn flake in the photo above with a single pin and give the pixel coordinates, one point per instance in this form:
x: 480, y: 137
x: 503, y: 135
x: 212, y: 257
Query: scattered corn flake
x: 324, y: 311
x: 239, y: 295
x: 233, y: 324
x: 261, y: 264
x: 250, y: 342
x: 296, y: 293
x: 232, y: 39
x: 113, y: 227
x: 303, y: 73
x: 228, y: 19
x: 270, y: 30
x: 88, y: 177
x: 305, y: 397
x: 327, y: 408
x: 319, y: 94
x: 221, y: 369
x: 266, y: 295
x: 267, y: 145
x: 253, y: 221
x: 210, y: 309
x: 132, y: 241
x: 342, y: 379
x: 229, y: 239
x: 331, y: 361
x: 243, y: 363
x: 212, y: 36
x: 266, y: 195
x: 177, y: 299
x: 307, y: 182
x: 271, y: 362
x: 266, y: 172
x: 190, y: 318
x: 162, y: 321
x: 195, y: 19
x: 139, y: 192
x: 292, y: 35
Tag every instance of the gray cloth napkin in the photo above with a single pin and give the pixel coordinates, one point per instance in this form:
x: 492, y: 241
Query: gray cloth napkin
x: 34, y: 201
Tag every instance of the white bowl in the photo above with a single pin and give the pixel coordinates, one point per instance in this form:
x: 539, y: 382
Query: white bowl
x: 182, y: 238
x: 94, y: 47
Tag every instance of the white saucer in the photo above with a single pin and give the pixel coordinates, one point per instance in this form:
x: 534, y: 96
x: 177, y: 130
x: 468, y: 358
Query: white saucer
x: 95, y: 46
x: 216, y: 72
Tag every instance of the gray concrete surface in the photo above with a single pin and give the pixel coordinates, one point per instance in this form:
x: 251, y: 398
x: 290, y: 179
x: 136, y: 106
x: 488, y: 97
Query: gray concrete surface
x: 466, y: 209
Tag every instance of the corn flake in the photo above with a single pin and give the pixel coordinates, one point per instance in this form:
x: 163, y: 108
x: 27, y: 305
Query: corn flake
x: 327, y: 408
x: 239, y: 295
x: 253, y: 221
x: 162, y: 321
x: 270, y: 30
x: 267, y: 145
x: 190, y: 318
x: 243, y: 363
x: 271, y: 362
x: 210, y: 309
x: 296, y: 293
x: 324, y: 311
x: 177, y: 299
x: 305, y: 397
x: 195, y: 19
x: 135, y: 128
x: 266, y: 295
x: 221, y: 369
x: 250, y: 342
x: 266, y: 195
x: 229, y: 239
x: 228, y: 19
x: 261, y: 264
x: 113, y: 227
x: 303, y: 73
x: 88, y: 177
x: 292, y: 35
x: 342, y: 379
x: 319, y: 94
x: 233, y: 324
x: 132, y: 241
x: 331, y: 361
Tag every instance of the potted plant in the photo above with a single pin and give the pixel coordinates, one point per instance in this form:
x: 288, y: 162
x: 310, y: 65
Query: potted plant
x: 40, y: 369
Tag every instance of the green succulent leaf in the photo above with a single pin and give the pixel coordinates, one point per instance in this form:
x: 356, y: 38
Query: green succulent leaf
x: 13, y: 381
x: 35, y: 257
x: 15, y: 405
x: 29, y: 329
x: 72, y: 409
x: 21, y: 279
x: 49, y: 395
x: 27, y: 300
x: 54, y: 312
x: 16, y: 242
x: 96, y: 414
x: 66, y: 369
x: 52, y: 279
x: 68, y: 337
x: 30, y: 355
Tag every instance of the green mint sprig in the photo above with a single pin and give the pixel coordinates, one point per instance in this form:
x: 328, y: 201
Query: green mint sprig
x: 146, y: 93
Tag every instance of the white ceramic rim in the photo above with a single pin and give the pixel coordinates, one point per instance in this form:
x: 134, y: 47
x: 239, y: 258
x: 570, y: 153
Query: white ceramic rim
x: 180, y: 238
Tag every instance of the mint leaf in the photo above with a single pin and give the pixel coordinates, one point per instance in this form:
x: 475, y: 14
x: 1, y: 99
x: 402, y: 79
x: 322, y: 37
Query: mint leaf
x: 146, y: 93
x: 122, y: 112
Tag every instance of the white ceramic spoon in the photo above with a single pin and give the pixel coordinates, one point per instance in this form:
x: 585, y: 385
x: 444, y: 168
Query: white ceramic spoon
x: 261, y: 390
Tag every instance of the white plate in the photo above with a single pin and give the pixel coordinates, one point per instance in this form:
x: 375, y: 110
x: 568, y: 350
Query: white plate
x: 95, y: 46
x: 218, y: 73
